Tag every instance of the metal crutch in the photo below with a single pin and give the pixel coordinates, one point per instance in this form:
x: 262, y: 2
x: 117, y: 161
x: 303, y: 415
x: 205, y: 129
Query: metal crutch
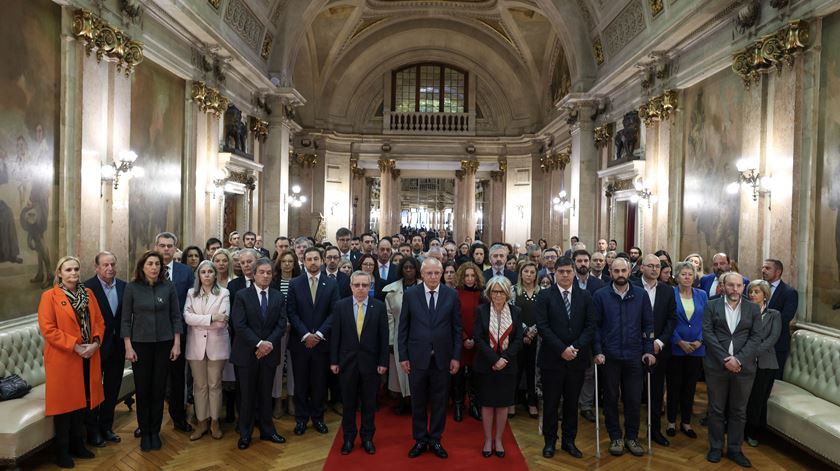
x: 650, y: 448
x: 597, y: 417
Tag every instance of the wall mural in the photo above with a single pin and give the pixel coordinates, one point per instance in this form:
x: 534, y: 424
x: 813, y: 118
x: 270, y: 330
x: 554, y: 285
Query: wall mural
x: 157, y: 136
x: 714, y: 127
x: 561, y: 78
x: 29, y: 97
x: 827, y: 232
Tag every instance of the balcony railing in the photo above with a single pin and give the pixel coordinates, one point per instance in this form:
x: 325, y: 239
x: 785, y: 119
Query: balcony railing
x: 451, y: 124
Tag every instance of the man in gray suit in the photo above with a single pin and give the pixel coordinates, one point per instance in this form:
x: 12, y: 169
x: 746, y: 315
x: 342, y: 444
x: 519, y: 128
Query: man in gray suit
x: 732, y: 332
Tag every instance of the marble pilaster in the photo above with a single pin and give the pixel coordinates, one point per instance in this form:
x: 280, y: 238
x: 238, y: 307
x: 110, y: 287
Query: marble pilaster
x: 584, y: 164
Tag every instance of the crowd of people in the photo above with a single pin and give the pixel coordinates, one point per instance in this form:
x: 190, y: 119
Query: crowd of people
x: 432, y: 322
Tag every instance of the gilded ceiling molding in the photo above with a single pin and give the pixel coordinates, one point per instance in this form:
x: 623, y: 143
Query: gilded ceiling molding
x: 659, y: 108
x: 770, y: 52
x: 208, y: 99
x: 553, y: 160
x: 244, y: 22
x: 108, y: 41
x: 215, y: 3
x: 462, y: 4
x: 498, y: 28
x: 268, y: 41
x: 598, y: 50
x: 259, y: 127
x: 656, y: 7
x: 602, y: 135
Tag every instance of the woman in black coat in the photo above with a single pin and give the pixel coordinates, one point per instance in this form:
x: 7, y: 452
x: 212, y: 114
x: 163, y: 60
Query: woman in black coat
x: 498, y: 339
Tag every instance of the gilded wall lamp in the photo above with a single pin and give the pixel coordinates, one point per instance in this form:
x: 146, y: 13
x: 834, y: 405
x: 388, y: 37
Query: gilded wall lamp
x: 296, y: 199
x: 749, y: 175
x: 123, y: 164
x: 220, y: 178
x: 643, y: 193
x: 561, y: 202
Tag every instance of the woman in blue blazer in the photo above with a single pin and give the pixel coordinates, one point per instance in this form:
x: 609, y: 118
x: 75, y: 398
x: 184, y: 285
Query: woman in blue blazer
x: 687, y: 349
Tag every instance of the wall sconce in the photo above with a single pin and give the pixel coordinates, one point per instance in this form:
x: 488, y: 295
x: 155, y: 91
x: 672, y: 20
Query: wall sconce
x: 220, y: 177
x: 334, y: 205
x: 521, y: 209
x: 123, y: 164
x: 643, y: 193
x: 296, y: 199
x: 561, y: 202
x: 748, y: 174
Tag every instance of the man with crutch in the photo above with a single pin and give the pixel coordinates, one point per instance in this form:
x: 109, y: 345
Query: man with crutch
x: 623, y: 345
x: 566, y: 323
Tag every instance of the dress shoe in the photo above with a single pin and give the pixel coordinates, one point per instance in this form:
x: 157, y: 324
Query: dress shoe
x: 156, y: 442
x: 486, y: 453
x: 347, y: 447
x: 274, y: 438
x: 418, y: 449
x: 183, y: 426
x: 137, y: 432
x: 474, y: 412
x: 588, y: 415
x: 634, y: 447
x: 548, y: 450
x: 95, y: 439
x: 201, y: 428
x: 65, y: 461
x: 671, y: 431
x: 617, y: 447
x: 244, y: 443
x: 500, y: 453
x: 458, y: 413
x: 438, y: 450
x: 690, y: 433
x: 300, y: 428
x: 739, y: 459
x: 572, y: 450
x: 320, y: 427
x: 145, y: 443
x: 110, y: 436
x: 367, y: 445
x: 657, y: 438
x: 215, y: 429
x: 79, y: 451
x: 713, y: 456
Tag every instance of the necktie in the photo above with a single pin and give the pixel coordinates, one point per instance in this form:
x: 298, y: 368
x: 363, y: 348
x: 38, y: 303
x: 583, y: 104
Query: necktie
x: 360, y: 320
x: 169, y: 272
x: 332, y: 275
x: 263, y: 304
x: 313, y: 287
x: 567, y: 303
x: 551, y: 275
x: 432, y: 301
x: 382, y: 273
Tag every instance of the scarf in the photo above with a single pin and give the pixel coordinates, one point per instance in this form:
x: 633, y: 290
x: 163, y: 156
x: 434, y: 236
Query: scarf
x: 501, y: 326
x: 79, y: 301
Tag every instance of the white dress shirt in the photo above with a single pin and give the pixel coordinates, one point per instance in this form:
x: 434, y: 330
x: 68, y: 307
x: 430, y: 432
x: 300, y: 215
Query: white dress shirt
x: 651, y: 291
x: 733, y: 317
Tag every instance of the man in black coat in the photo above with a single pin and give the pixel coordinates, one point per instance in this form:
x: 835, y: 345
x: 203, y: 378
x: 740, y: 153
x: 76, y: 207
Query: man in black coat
x: 359, y: 355
x: 498, y: 258
x: 259, y: 318
x: 785, y: 299
x: 388, y: 272
x: 565, y: 352
x: 108, y: 290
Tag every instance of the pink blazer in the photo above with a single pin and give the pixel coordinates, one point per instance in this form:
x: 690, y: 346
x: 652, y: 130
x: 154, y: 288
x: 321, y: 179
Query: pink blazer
x: 204, y: 336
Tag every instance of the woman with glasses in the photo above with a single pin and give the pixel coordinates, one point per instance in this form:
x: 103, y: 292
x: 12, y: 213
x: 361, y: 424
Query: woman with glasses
x: 367, y: 263
x: 285, y: 268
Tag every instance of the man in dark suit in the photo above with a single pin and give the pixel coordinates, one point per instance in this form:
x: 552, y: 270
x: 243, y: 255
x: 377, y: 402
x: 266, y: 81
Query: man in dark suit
x: 388, y: 272
x: 584, y: 280
x: 785, y: 299
x: 664, y: 306
x: 183, y: 278
x: 598, y: 267
x: 359, y: 355
x: 566, y: 323
x: 721, y: 263
x: 259, y: 318
x: 310, y: 302
x: 732, y: 334
x: 332, y: 257
x: 498, y: 257
x: 247, y: 259
x: 343, y: 237
x: 108, y: 290
x: 429, y: 343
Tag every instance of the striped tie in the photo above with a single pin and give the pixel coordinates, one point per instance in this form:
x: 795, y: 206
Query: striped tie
x: 567, y: 303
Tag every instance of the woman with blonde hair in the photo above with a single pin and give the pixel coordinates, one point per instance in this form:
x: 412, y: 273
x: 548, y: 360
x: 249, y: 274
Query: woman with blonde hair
x: 525, y: 297
x: 72, y: 327
x: 697, y: 260
x: 224, y: 271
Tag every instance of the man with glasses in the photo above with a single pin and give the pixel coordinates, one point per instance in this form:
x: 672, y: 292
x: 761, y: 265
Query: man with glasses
x: 332, y: 257
x: 549, y: 259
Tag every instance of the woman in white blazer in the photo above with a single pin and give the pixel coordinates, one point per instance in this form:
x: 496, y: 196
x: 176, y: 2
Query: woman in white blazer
x: 206, y: 314
x: 409, y: 272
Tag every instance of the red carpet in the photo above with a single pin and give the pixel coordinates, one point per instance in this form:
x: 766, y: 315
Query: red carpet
x: 463, y: 442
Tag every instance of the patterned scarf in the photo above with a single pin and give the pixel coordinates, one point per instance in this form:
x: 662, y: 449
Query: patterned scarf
x: 501, y: 326
x: 79, y: 301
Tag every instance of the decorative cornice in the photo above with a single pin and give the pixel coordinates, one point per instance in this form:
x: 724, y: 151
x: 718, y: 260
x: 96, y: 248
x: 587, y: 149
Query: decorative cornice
x: 108, y: 41
x: 659, y: 107
x: 259, y: 128
x: 618, y: 185
x: 244, y: 178
x: 772, y: 51
x: 209, y: 99
x: 602, y: 135
x: 551, y: 160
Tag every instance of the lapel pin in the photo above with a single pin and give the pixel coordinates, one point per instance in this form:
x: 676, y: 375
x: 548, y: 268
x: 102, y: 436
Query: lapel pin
x: 160, y: 300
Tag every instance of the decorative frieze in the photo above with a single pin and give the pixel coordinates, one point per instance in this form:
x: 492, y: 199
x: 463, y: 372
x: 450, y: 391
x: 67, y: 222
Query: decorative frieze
x: 244, y: 22
x: 208, y: 99
x: 770, y: 52
x: 626, y: 26
x: 107, y: 40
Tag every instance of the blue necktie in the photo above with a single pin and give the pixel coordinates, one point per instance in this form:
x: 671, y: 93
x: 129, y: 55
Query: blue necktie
x: 432, y: 302
x: 263, y: 304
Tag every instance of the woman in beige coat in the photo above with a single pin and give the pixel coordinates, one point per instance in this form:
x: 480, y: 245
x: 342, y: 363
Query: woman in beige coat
x: 206, y: 313
x: 409, y: 270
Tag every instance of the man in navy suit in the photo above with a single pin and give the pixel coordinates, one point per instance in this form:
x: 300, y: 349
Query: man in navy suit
x: 430, y: 344
x: 721, y: 264
x: 183, y: 278
x: 332, y: 257
x: 310, y: 302
x: 498, y: 257
x: 584, y: 279
x: 247, y: 259
x: 359, y: 355
x: 259, y: 318
x: 388, y: 272
x: 565, y: 353
x: 108, y: 290
x: 785, y: 299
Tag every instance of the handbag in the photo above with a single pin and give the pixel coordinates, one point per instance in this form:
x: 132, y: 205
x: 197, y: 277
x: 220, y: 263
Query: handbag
x: 13, y: 387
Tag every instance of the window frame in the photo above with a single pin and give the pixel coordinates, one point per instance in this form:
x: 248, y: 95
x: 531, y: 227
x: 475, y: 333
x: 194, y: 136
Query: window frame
x: 442, y: 66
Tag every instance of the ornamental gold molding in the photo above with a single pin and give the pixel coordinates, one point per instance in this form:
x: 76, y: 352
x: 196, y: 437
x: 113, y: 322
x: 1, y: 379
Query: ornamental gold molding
x: 354, y: 167
x: 659, y: 108
x: 305, y: 160
x: 209, y: 99
x: 618, y: 185
x: 108, y: 41
x: 552, y: 160
x: 598, y: 51
x: 499, y: 175
x: 602, y: 135
x: 772, y: 51
x: 469, y: 166
x: 389, y: 166
x: 260, y: 128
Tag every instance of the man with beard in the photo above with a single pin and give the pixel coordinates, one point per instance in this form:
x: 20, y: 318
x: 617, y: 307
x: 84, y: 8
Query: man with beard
x: 591, y: 285
x: 711, y: 283
x: 584, y: 280
x: 635, y: 254
x: 498, y: 257
x: 597, y: 267
x: 784, y: 299
x: 612, y: 246
x: 623, y: 345
x: 417, y: 246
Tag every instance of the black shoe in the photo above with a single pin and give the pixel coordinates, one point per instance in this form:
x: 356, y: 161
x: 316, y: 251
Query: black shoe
x: 657, y: 438
x: 438, y: 450
x: 110, y: 436
x: 418, y: 449
x: 183, y: 426
x: 300, y: 428
x: 572, y: 450
x: 713, y: 456
x: 739, y: 459
x: 500, y: 453
x: 65, y: 461
x: 81, y: 452
x: 548, y: 450
x: 671, y: 431
x: 145, y: 443
x: 244, y: 443
x: 474, y: 412
x: 274, y: 438
x: 347, y: 447
x: 156, y: 442
x: 458, y: 415
x: 320, y: 427
x: 137, y: 432
x: 95, y: 439
x: 588, y: 415
x: 688, y: 432
x: 367, y: 445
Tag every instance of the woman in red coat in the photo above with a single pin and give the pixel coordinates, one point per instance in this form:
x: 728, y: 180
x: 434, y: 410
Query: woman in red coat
x: 72, y: 327
x: 469, y: 282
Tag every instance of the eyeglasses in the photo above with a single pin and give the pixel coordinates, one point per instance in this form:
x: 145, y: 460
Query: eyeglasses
x: 361, y: 285
x: 332, y: 257
x: 497, y: 291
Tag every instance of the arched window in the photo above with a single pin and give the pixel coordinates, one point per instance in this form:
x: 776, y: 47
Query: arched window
x: 429, y: 88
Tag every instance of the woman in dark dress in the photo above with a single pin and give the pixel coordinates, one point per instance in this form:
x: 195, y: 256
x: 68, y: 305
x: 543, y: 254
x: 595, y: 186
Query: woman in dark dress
x: 498, y: 338
x: 524, y: 297
x: 469, y: 283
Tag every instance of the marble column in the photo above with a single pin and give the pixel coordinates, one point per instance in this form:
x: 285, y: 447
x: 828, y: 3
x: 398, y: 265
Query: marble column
x: 469, y: 167
x: 388, y: 197
x: 359, y: 200
x: 583, y: 193
x: 275, y: 180
x: 494, y: 219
